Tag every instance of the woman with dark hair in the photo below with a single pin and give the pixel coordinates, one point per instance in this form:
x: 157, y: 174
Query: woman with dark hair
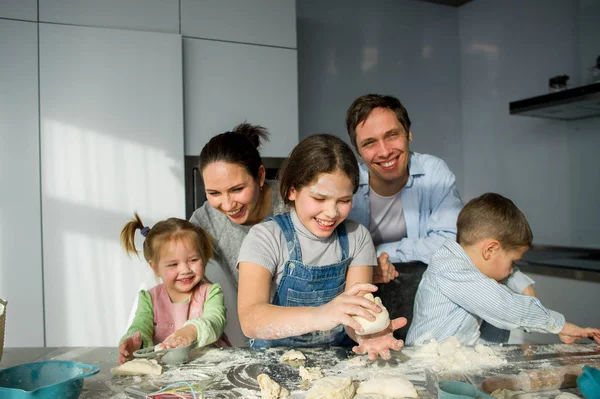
x: 237, y: 192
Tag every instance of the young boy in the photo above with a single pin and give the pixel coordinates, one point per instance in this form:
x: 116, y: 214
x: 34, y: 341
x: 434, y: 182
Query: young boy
x: 466, y: 292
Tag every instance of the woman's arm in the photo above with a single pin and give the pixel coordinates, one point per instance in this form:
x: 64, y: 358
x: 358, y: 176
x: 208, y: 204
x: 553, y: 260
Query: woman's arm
x: 261, y: 320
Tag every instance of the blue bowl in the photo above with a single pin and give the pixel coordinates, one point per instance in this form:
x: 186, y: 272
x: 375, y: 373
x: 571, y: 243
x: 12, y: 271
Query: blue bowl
x: 589, y: 382
x: 50, y: 379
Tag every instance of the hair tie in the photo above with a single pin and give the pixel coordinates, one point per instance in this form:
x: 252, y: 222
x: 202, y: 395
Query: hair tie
x: 145, y: 231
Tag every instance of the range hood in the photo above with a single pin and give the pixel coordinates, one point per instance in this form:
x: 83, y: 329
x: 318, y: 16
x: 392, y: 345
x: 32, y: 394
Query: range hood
x: 576, y: 103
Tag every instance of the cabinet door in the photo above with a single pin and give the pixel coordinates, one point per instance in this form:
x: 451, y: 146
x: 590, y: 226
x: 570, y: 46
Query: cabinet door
x: 26, y: 10
x: 266, y: 22
x: 111, y: 144
x: 229, y: 83
x: 20, y: 219
x: 148, y: 15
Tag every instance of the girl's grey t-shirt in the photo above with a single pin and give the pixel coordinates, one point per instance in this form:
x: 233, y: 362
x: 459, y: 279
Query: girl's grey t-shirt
x: 265, y: 245
x: 228, y: 236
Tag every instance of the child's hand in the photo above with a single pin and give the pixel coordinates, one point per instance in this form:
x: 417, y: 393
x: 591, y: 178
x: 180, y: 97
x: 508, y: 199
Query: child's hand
x: 128, y: 346
x: 381, y: 342
x: 385, y: 270
x: 571, y: 333
x: 180, y: 338
x: 341, y: 309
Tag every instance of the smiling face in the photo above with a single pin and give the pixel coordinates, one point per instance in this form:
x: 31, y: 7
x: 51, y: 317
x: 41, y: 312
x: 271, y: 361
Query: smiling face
x: 323, y: 204
x: 231, y: 190
x: 383, y: 144
x: 180, y: 267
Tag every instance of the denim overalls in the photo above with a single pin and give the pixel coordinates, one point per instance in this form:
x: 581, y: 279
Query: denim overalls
x: 306, y: 285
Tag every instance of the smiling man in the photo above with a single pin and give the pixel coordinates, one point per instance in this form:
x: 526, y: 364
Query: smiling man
x: 408, y: 200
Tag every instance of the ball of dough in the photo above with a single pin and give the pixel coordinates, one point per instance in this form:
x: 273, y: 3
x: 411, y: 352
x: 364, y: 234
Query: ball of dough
x: 381, y: 322
x: 332, y: 388
x: 390, y: 387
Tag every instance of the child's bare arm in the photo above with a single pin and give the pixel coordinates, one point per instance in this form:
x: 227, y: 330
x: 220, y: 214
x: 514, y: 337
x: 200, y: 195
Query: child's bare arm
x: 259, y: 319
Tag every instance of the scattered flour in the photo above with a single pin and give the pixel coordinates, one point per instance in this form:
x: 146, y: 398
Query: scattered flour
x: 451, y: 355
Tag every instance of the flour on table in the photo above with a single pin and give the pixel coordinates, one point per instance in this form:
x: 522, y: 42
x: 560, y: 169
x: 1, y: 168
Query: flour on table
x: 269, y: 389
x: 357, y: 361
x: 332, y: 388
x: 292, y: 354
x: 310, y: 373
x: 388, y: 386
x: 451, y: 355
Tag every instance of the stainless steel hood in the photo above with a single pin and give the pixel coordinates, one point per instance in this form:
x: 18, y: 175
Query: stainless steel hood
x: 576, y: 103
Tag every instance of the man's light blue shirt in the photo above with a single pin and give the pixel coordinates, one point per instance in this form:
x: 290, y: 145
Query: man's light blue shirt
x: 454, y: 298
x: 431, y: 205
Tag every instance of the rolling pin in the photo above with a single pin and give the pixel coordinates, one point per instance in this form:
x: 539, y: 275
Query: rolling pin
x: 537, y: 380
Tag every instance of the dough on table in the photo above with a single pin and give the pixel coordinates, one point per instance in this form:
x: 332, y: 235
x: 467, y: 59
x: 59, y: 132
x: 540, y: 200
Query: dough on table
x: 381, y: 322
x: 292, y: 354
x: 310, y: 373
x: 332, y: 388
x: 269, y: 389
x: 390, y: 387
x: 138, y: 367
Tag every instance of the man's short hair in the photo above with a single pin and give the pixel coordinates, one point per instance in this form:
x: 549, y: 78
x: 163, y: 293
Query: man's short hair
x: 362, y: 107
x: 493, y: 216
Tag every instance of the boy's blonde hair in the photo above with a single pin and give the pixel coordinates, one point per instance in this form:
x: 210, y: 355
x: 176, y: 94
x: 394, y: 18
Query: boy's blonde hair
x: 162, y: 233
x: 493, y: 216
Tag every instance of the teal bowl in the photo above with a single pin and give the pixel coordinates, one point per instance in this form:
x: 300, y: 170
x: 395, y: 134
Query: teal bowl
x: 49, y: 380
x: 589, y: 382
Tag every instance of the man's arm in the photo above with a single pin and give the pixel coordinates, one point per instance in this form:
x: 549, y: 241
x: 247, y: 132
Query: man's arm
x: 519, y: 282
x: 445, y: 205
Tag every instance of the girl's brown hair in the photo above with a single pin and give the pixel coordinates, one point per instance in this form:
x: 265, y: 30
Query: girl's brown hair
x: 163, y: 232
x: 320, y: 153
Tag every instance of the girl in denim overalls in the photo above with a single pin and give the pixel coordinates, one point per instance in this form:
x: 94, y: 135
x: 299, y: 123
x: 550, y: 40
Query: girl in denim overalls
x: 294, y: 267
x: 186, y: 307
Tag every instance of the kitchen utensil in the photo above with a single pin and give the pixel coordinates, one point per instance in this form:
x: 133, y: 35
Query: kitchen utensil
x: 536, y: 380
x: 589, y: 382
x: 459, y: 390
x: 50, y: 379
x: 166, y: 356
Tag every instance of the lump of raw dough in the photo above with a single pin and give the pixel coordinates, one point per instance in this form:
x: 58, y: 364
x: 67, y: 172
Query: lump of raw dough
x: 390, y: 387
x: 357, y: 361
x: 269, y: 389
x: 382, y: 319
x: 292, y: 354
x: 138, y: 367
x: 332, y: 388
x: 310, y: 373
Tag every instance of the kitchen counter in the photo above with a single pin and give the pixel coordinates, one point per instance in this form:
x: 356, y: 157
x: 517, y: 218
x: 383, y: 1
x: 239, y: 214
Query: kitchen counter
x: 568, y: 262
x: 231, y: 372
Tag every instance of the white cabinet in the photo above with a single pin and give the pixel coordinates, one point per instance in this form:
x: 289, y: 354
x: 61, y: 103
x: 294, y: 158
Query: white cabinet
x: 266, y: 22
x: 229, y: 83
x: 149, y: 15
x: 19, y: 9
x: 20, y: 219
x: 111, y: 144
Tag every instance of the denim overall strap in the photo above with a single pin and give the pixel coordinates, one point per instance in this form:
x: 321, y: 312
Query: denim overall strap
x: 308, y: 285
x: 284, y: 221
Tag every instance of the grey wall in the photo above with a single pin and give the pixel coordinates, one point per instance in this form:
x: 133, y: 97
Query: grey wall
x: 548, y: 167
x: 404, y: 48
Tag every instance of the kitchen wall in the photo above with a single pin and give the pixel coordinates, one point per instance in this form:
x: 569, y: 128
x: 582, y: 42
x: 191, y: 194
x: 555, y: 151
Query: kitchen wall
x: 546, y: 166
x: 407, y: 48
